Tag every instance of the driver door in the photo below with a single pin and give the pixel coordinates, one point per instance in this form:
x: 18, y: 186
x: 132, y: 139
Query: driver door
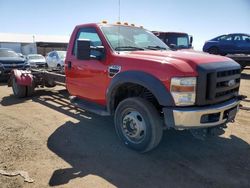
x: 87, y: 78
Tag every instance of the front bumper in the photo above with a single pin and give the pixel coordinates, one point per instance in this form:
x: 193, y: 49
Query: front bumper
x: 201, y: 117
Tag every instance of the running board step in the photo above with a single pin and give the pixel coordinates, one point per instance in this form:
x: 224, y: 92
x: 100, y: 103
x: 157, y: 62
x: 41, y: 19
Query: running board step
x: 89, y: 106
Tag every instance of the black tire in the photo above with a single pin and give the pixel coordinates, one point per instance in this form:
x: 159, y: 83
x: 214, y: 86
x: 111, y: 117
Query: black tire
x: 214, y: 50
x: 30, y: 91
x: 18, y: 90
x: 50, y: 84
x: 148, y: 117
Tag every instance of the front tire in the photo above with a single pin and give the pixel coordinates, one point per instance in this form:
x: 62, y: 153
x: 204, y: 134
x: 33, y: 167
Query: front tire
x: 138, y: 124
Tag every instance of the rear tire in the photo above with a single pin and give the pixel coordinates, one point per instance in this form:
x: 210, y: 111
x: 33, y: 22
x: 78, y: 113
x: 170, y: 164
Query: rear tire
x: 30, y: 90
x: 18, y: 90
x: 214, y: 50
x: 138, y: 124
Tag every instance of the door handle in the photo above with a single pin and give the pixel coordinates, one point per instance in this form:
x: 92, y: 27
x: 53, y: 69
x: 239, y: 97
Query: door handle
x: 69, y: 64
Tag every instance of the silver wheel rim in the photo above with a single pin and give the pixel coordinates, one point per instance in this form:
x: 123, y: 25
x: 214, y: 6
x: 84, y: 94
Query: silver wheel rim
x: 134, y: 127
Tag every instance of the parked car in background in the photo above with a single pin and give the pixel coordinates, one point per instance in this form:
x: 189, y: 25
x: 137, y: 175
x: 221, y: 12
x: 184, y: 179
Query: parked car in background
x: 10, y: 60
x: 21, y: 55
x: 36, y: 60
x: 235, y: 43
x: 55, y: 59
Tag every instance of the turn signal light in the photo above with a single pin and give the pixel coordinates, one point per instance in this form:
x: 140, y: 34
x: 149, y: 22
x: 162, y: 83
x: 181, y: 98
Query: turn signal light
x: 125, y: 23
x: 118, y: 23
x: 176, y: 88
x: 104, y: 22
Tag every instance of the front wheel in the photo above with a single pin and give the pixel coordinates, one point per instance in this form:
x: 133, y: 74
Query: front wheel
x: 138, y: 124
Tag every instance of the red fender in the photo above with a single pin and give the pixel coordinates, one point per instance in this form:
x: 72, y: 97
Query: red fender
x: 23, y: 77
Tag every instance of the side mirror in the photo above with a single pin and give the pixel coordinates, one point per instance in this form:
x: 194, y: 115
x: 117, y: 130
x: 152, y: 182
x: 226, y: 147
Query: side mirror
x: 83, y: 49
x: 191, y: 40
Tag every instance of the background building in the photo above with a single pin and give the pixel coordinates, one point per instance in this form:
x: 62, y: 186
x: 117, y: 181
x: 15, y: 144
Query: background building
x: 30, y: 44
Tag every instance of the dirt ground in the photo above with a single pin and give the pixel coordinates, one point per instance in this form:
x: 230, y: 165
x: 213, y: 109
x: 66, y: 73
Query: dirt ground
x: 61, y: 146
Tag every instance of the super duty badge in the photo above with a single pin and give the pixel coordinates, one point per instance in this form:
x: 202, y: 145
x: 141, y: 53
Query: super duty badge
x: 113, y: 70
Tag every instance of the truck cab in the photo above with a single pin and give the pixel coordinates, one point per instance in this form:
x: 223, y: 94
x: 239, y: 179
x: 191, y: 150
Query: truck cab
x: 175, y: 40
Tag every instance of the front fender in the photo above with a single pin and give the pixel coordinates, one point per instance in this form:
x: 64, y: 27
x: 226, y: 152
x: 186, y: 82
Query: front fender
x: 153, y: 84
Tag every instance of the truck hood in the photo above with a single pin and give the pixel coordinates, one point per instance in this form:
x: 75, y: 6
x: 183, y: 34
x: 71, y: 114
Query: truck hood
x: 184, y: 60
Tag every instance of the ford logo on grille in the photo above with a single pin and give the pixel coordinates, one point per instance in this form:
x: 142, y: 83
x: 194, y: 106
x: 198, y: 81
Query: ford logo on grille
x: 231, y: 83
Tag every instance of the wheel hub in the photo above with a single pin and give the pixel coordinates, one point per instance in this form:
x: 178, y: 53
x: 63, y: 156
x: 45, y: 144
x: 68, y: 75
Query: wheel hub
x: 134, y: 126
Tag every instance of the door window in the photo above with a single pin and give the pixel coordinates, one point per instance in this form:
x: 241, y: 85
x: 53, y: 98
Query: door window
x: 229, y: 38
x: 245, y: 37
x: 91, y: 34
x: 51, y: 54
x: 237, y: 37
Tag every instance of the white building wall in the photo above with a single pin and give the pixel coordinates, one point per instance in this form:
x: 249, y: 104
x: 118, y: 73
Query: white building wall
x: 20, y: 48
x: 29, y: 49
x: 14, y: 46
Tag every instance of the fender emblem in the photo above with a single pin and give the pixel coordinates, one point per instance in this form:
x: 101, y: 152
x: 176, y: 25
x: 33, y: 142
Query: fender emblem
x: 113, y: 70
x: 231, y: 83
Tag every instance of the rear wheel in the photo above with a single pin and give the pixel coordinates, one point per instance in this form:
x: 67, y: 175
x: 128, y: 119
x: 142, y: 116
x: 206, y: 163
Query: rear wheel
x: 30, y: 90
x: 213, y: 50
x: 138, y: 124
x: 18, y: 90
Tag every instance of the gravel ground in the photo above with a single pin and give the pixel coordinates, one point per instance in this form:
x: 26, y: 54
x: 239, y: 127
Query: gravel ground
x: 59, y: 145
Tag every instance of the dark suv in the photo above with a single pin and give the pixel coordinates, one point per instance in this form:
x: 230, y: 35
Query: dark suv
x: 10, y: 60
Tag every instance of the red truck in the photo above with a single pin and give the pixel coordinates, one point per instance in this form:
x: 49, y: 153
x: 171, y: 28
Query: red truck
x: 127, y: 72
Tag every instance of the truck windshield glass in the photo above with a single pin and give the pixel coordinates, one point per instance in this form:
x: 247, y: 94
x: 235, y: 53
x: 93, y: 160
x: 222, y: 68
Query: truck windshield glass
x: 179, y: 40
x: 125, y: 38
x: 8, y: 53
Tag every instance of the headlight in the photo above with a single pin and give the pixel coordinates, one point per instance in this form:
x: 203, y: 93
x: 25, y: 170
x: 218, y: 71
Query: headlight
x: 183, y: 90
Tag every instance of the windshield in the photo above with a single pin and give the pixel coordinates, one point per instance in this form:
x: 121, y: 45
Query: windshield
x: 8, y: 53
x: 35, y: 57
x: 180, y: 40
x: 61, y: 54
x: 124, y: 38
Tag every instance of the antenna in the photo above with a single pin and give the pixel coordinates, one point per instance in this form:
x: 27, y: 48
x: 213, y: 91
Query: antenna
x: 119, y: 10
x: 119, y: 20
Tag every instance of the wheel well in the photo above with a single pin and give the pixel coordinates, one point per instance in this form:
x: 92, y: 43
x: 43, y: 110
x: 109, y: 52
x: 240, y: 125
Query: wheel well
x: 213, y: 47
x: 134, y: 90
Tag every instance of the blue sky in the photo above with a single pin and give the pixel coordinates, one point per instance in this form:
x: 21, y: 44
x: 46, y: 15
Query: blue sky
x: 203, y: 19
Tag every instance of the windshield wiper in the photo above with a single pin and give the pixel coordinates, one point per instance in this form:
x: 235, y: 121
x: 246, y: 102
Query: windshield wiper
x: 156, y: 48
x: 128, y: 48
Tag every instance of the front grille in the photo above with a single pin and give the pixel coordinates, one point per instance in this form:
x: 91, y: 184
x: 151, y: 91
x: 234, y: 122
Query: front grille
x: 13, y: 66
x: 217, y: 82
x: 8, y: 65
